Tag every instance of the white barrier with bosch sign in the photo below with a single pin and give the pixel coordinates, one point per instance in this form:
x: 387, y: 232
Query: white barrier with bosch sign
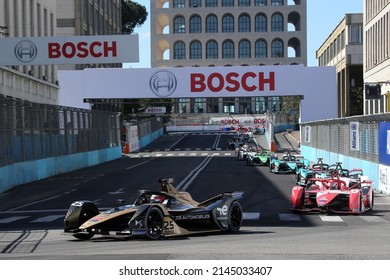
x: 316, y: 86
x: 69, y: 50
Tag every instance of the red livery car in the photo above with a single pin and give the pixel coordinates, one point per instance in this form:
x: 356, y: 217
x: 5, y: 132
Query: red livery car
x: 333, y: 195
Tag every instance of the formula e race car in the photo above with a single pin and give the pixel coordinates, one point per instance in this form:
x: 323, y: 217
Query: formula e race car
x: 287, y: 164
x: 156, y: 214
x: 260, y: 158
x: 318, y: 170
x: 333, y: 195
x: 245, y: 150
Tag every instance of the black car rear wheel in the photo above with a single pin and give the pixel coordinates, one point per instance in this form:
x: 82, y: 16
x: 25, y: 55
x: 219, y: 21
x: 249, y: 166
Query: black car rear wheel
x: 235, y: 217
x: 154, y: 223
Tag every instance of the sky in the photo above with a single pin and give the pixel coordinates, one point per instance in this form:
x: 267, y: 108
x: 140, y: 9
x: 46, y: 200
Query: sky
x: 322, y: 18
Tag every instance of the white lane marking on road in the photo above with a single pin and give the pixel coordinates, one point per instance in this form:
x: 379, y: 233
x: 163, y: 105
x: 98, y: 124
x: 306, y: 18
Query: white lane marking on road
x: 325, y: 218
x: 289, y: 217
x: 47, y: 219
x: 12, y: 219
x: 118, y: 191
x: 374, y: 219
x: 35, y: 202
x: 133, y: 166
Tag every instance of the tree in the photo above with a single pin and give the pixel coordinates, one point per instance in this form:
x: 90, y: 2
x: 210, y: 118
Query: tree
x: 133, y: 15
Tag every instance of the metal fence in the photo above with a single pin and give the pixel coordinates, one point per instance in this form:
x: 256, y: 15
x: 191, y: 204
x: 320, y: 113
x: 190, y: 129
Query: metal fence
x: 32, y: 131
x: 335, y: 136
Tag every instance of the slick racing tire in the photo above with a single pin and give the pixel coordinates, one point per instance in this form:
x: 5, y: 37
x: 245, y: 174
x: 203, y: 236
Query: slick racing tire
x: 154, y: 223
x: 86, y: 213
x: 83, y: 236
x: 235, y: 217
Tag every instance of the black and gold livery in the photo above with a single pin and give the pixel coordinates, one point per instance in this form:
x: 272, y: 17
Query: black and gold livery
x: 157, y: 214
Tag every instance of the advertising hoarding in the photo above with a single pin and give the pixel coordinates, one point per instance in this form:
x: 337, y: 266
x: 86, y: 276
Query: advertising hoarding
x: 69, y: 50
x: 384, y: 143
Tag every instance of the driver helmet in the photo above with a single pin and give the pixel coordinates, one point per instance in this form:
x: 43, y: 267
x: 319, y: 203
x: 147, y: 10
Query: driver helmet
x: 156, y: 198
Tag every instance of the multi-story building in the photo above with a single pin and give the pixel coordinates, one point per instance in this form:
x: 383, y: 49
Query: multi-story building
x: 376, y: 54
x: 91, y: 17
x: 28, y: 18
x: 88, y: 17
x: 207, y: 33
x: 344, y: 49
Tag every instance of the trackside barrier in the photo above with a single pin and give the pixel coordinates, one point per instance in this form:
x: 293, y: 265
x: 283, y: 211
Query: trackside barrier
x: 141, y: 133
x: 43, y: 140
x: 357, y: 142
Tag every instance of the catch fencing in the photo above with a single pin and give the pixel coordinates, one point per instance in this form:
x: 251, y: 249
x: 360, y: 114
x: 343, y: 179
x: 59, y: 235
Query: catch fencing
x: 31, y: 131
x: 338, y: 136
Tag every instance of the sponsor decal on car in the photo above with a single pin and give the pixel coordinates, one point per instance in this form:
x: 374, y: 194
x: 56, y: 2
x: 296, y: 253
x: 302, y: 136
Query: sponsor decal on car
x: 223, y: 211
x: 138, y: 232
x: 192, y: 217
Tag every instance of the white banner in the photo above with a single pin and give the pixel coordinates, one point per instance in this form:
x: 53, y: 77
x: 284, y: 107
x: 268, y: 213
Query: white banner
x: 307, y: 134
x: 194, y: 82
x: 134, y: 140
x: 156, y: 110
x: 354, y: 136
x: 203, y: 82
x: 384, y: 176
x: 69, y: 50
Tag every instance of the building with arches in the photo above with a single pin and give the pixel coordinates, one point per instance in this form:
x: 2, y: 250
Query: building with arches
x: 209, y: 33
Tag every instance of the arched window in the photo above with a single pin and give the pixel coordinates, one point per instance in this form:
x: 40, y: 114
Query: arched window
x: 242, y: 3
x: 178, y: 3
x: 211, y: 24
x: 195, y: 24
x: 277, y: 22
x: 260, y: 23
x: 277, y: 48
x: 244, y: 49
x: 195, y: 3
x: 227, y: 3
x: 228, y: 49
x: 179, y: 50
x: 227, y: 23
x: 260, y: 2
x: 276, y: 2
x: 179, y: 25
x: 211, y: 3
x: 244, y: 23
x: 261, y: 49
x: 195, y: 50
x: 211, y: 49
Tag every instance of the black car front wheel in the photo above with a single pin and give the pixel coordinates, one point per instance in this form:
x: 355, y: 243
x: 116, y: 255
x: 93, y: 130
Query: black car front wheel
x: 235, y: 217
x: 154, y: 223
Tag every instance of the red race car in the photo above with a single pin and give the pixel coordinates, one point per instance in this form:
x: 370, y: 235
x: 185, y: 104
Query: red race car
x: 333, y: 195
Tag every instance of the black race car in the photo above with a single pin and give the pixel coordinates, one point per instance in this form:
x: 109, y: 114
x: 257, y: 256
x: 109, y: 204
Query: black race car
x: 156, y: 214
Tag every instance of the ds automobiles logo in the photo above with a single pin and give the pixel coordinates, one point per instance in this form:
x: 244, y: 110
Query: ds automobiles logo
x: 26, y: 51
x: 163, y: 83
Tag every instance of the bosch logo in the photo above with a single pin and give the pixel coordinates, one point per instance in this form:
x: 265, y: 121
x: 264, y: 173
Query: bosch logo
x: 25, y: 51
x: 163, y: 83
x: 223, y: 210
